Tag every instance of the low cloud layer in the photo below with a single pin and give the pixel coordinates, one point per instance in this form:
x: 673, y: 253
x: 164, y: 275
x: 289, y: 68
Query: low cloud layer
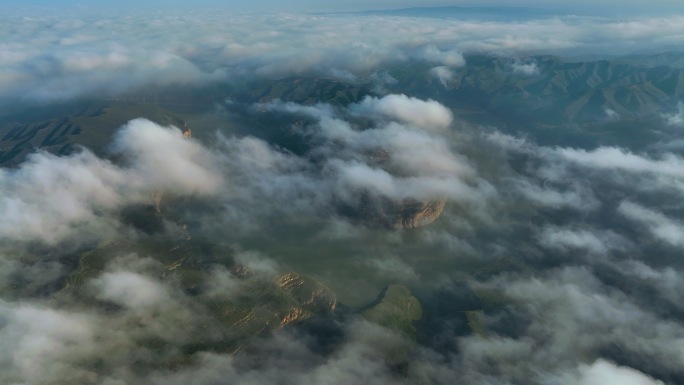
x: 50, y: 198
x: 675, y: 119
x: 549, y: 264
x: 526, y: 69
x: 426, y: 114
x: 603, y: 372
x: 662, y: 227
x: 56, y: 57
x: 565, y: 317
x: 443, y: 74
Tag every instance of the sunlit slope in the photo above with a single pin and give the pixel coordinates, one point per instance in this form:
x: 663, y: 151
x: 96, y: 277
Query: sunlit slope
x: 61, y: 129
x: 256, y: 303
x: 537, y: 92
x: 551, y: 90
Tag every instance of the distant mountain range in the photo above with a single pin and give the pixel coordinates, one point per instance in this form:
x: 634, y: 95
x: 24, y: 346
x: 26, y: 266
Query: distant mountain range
x: 606, y: 98
x: 549, y: 90
x: 545, y: 90
x: 508, y: 13
x: 537, y: 93
x: 486, y: 13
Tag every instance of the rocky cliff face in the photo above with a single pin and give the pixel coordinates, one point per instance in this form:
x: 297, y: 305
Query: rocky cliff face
x: 307, y: 291
x: 404, y: 214
x: 257, y: 304
x: 391, y: 213
x: 266, y: 305
x: 410, y: 214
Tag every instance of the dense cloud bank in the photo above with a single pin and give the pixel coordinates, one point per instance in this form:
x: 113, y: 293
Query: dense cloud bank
x: 401, y: 151
x: 51, y: 198
x: 594, y: 297
x: 60, y: 56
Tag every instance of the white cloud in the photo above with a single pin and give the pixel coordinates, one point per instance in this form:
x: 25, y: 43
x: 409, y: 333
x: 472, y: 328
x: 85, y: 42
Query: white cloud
x: 667, y: 281
x: 394, y: 268
x: 618, y: 159
x: 603, y: 372
x: 576, y: 196
x: 676, y: 119
x: 45, y: 343
x: 257, y: 263
x: 571, y: 314
x: 361, y: 176
x: 451, y: 58
x: 50, y: 198
x: 526, y: 69
x: 164, y: 159
x: 659, y: 225
x: 404, y: 154
x: 565, y: 239
x: 443, y: 73
x: 568, y: 316
x: 129, y: 289
x: 60, y: 57
x: 79, y: 186
x: 425, y: 114
x: 611, y: 114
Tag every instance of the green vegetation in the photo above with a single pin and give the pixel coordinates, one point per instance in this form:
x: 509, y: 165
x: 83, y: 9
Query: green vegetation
x: 475, y: 323
x: 256, y: 305
x: 396, y: 309
x: 90, y: 124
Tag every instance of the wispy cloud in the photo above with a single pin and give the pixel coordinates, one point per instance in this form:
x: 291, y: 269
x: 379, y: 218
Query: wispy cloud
x: 58, y: 57
x: 589, y: 239
x: 676, y: 119
x: 50, y: 198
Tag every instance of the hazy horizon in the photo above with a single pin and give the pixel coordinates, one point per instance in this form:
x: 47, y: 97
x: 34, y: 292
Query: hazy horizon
x: 313, y: 6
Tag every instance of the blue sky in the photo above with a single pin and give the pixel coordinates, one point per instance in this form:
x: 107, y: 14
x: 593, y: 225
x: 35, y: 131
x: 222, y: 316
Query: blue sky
x: 352, y: 5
